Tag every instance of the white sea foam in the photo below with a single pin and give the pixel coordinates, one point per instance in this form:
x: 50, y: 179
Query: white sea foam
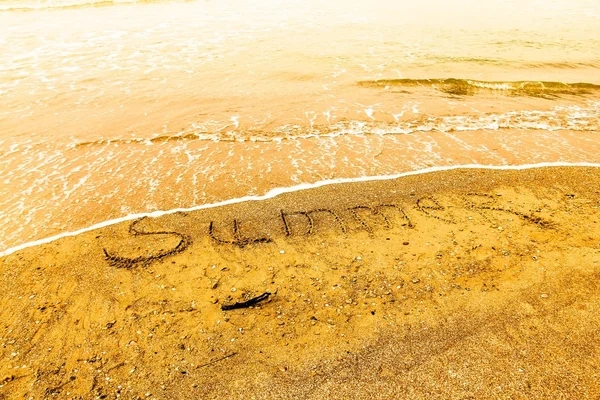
x: 278, y: 191
x: 491, y: 85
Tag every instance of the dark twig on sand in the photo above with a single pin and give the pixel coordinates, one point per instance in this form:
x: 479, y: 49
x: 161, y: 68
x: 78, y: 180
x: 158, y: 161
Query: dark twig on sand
x: 217, y: 360
x: 246, y: 304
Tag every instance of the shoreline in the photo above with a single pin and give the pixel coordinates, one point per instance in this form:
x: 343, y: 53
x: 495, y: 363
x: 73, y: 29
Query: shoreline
x: 96, y: 185
x: 278, y: 191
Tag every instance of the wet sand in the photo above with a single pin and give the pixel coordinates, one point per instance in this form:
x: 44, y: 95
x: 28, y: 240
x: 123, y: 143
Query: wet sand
x: 453, y: 284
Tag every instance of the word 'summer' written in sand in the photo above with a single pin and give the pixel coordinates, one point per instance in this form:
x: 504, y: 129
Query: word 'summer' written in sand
x: 479, y: 208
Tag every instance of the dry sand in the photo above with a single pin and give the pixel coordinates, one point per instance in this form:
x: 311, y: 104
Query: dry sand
x: 456, y: 284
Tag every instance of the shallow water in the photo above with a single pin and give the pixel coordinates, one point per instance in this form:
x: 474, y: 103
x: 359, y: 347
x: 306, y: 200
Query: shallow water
x: 113, y: 108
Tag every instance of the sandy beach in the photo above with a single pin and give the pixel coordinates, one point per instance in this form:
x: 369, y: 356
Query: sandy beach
x: 299, y: 199
x: 470, y: 283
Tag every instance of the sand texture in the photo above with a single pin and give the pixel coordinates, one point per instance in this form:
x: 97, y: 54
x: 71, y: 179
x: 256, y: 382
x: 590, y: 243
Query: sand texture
x: 456, y: 284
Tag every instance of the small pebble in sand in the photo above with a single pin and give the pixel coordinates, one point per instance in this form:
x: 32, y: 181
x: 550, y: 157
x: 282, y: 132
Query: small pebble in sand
x: 544, y: 296
x: 233, y: 289
x: 281, y: 251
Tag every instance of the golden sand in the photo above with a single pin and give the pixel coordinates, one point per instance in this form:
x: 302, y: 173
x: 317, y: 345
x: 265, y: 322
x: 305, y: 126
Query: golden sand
x: 456, y: 284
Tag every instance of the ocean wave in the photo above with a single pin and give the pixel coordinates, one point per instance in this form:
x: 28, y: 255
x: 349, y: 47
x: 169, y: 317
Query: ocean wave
x: 153, y: 140
x: 470, y: 87
x: 572, y: 118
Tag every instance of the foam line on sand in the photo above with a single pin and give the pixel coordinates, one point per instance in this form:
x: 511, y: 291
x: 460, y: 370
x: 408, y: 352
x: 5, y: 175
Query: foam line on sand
x: 280, y: 190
